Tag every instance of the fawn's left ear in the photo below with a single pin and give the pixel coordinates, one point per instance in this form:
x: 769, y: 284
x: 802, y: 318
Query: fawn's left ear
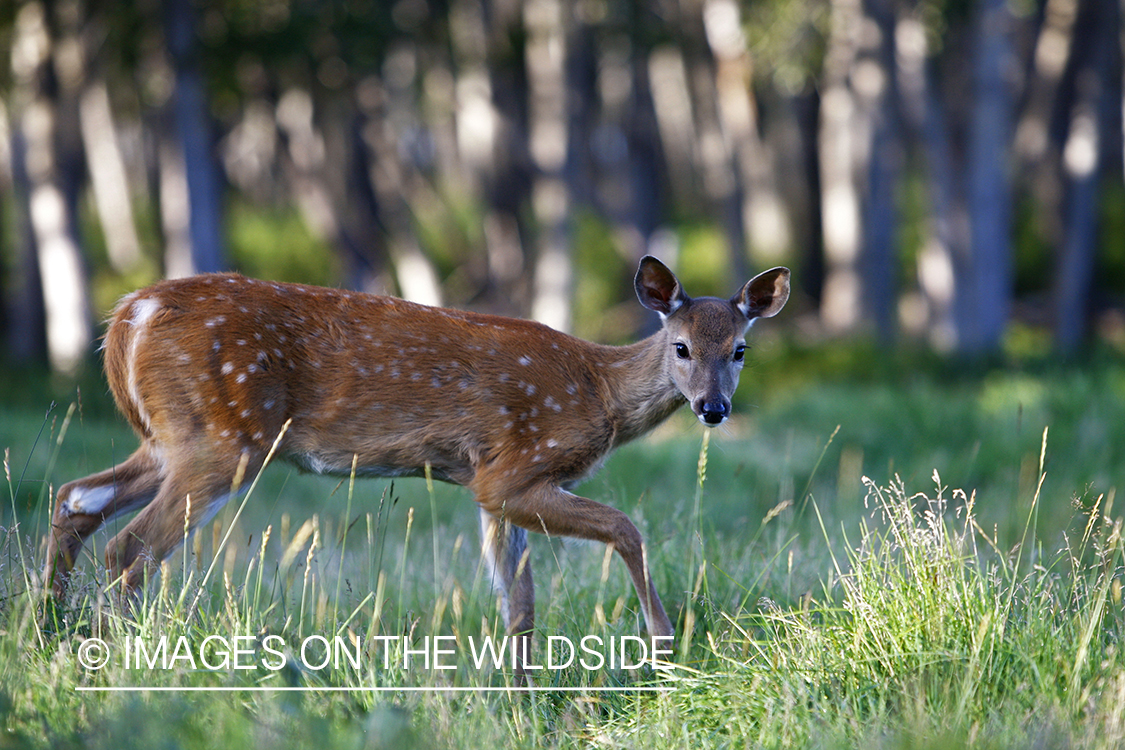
x: 764, y: 295
x: 658, y: 288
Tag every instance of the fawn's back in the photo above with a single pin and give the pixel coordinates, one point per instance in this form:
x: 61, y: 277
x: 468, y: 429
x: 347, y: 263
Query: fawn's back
x: 223, y: 360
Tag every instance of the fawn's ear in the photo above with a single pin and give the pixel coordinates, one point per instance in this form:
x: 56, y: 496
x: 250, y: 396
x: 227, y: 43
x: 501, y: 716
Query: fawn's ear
x: 658, y: 288
x: 764, y: 295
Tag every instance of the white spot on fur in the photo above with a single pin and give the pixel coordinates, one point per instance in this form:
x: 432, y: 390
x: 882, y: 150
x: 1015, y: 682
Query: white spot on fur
x: 525, y: 360
x: 228, y: 368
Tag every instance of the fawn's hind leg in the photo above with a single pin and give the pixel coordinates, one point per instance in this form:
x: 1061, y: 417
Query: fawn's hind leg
x: 83, y: 505
x: 505, y: 552
x: 171, y: 517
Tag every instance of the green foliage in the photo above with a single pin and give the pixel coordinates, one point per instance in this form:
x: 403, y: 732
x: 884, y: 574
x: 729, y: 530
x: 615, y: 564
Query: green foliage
x: 604, y: 302
x: 787, y: 41
x: 1110, y: 273
x: 276, y: 244
x: 1031, y: 247
x: 704, y: 260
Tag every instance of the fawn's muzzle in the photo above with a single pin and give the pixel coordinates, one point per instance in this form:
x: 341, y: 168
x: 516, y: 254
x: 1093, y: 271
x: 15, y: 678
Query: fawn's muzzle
x: 712, y: 411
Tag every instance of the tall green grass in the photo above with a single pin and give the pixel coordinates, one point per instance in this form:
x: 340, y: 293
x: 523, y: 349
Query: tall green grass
x: 829, y: 591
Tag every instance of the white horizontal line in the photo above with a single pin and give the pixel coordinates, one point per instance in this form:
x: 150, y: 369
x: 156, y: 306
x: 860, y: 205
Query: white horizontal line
x: 402, y: 689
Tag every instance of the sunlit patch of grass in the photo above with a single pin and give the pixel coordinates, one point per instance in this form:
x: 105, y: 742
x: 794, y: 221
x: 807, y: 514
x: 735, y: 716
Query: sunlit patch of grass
x: 927, y: 634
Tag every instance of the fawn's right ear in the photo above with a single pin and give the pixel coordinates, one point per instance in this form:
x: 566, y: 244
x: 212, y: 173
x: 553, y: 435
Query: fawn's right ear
x: 658, y: 288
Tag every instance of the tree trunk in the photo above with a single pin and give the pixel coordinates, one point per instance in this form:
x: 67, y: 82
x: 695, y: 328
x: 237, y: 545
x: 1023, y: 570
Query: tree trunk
x: 810, y: 231
x: 27, y: 331
x: 112, y: 195
x: 392, y: 174
x: 193, y: 129
x: 841, y: 134
x: 547, y: 23
x: 764, y: 219
x: 675, y: 121
x: 49, y: 152
x: 948, y: 233
x: 985, y: 293
x: 1083, y: 161
x: 878, y: 265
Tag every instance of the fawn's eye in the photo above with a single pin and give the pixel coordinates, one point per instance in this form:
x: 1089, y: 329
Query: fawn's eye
x: 682, y: 351
x: 739, y: 352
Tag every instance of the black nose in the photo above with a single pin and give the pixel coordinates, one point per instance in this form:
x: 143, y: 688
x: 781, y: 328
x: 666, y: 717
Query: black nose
x: 714, y: 411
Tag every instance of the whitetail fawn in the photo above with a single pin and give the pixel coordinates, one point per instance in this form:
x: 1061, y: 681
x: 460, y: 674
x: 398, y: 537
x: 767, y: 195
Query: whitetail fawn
x: 208, y: 369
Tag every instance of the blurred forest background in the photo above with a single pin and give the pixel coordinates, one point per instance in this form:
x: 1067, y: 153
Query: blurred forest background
x: 943, y: 172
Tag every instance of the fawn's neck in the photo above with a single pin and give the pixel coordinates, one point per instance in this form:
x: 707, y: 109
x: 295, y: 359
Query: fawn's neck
x: 640, y: 393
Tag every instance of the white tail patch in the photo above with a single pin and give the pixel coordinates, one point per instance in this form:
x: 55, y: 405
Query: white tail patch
x: 143, y: 310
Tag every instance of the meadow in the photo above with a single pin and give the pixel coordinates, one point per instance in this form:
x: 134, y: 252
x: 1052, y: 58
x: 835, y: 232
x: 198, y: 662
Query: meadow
x: 906, y: 554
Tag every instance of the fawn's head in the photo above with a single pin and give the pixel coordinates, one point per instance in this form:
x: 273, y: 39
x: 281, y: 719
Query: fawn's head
x: 705, y: 337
